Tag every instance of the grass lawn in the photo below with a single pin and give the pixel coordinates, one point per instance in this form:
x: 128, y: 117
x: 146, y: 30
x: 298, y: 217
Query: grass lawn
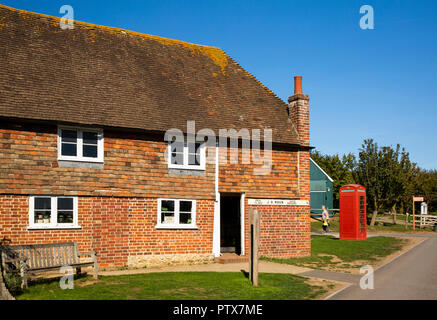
x: 331, y: 253
x: 177, y: 285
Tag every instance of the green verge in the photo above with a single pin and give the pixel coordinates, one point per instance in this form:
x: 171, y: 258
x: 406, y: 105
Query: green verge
x: 323, y: 248
x: 177, y: 286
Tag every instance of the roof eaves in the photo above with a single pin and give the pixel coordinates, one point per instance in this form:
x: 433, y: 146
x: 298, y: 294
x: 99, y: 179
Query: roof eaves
x: 330, y: 179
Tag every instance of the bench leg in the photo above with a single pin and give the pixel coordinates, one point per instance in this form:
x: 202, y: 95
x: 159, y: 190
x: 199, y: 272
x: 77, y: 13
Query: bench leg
x: 96, y: 267
x: 23, y: 276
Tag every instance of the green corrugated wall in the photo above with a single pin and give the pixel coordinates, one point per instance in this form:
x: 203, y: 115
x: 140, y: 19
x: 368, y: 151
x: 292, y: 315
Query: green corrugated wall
x: 321, y: 191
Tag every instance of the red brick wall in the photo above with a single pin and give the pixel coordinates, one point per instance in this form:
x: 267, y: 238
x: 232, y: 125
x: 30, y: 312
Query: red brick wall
x: 134, y: 167
x: 284, y: 231
x: 281, y: 182
x: 120, y: 227
x: 117, y: 204
x: 114, y: 227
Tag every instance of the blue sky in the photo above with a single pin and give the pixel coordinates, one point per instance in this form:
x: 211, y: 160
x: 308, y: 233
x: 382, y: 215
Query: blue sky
x: 362, y: 83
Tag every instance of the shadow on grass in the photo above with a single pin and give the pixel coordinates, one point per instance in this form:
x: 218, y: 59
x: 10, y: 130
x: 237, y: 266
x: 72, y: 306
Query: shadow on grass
x: 52, y: 279
x: 245, y: 273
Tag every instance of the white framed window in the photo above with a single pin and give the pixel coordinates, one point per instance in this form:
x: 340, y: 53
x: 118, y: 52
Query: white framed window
x: 183, y: 155
x: 46, y: 212
x: 176, y: 214
x: 80, y: 144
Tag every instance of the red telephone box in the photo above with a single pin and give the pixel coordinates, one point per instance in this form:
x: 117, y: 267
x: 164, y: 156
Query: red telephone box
x: 353, y: 224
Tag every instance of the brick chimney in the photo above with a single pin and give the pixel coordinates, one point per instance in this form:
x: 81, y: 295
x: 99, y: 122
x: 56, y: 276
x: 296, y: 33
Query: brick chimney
x: 298, y: 108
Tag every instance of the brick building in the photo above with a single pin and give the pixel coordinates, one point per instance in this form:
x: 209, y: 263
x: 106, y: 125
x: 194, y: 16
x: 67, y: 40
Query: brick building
x: 83, y: 114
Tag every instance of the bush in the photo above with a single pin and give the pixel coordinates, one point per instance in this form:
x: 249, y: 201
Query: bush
x: 13, y: 281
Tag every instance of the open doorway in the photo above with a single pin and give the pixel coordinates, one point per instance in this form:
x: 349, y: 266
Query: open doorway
x: 230, y: 223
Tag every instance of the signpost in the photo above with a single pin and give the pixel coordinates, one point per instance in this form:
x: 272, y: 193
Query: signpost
x: 415, y: 199
x: 253, y: 246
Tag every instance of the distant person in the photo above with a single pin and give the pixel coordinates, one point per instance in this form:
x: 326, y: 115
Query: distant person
x: 325, y: 219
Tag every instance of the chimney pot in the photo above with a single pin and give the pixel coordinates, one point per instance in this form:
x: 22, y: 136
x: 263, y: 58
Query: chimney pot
x: 297, y: 84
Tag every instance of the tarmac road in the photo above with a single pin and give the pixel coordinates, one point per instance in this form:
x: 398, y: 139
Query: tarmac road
x: 411, y: 276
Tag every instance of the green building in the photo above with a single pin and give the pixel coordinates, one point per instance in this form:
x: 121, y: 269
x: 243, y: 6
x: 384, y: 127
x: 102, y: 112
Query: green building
x: 321, y: 187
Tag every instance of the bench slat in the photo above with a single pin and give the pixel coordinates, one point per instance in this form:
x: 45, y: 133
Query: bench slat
x: 41, y: 256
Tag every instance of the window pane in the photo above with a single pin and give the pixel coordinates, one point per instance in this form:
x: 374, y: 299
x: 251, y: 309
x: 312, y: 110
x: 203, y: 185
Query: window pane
x: 90, y: 151
x: 69, y: 149
x: 177, y: 158
x: 194, y: 148
x: 69, y: 136
x: 194, y: 159
x: 65, y: 216
x: 65, y: 203
x: 185, y: 206
x: 167, y: 205
x: 167, y: 217
x: 42, y: 216
x: 185, y: 218
x: 177, y: 147
x: 42, y: 203
x: 90, y: 137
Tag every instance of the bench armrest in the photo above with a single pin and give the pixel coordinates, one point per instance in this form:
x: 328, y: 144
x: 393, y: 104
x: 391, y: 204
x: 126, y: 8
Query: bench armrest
x: 89, y: 253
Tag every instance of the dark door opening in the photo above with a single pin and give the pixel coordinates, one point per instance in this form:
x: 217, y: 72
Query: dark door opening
x: 230, y: 224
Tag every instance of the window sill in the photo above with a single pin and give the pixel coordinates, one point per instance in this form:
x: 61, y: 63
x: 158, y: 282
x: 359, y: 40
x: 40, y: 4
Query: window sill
x: 80, y: 164
x: 74, y: 159
x: 193, y: 168
x: 182, y: 227
x: 54, y: 228
x: 188, y: 172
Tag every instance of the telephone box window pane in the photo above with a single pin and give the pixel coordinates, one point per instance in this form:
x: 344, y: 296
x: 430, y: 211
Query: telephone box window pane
x: 362, y: 222
x: 90, y: 151
x: 69, y: 149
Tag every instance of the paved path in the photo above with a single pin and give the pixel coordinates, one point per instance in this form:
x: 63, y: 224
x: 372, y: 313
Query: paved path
x: 264, y: 266
x: 412, y: 275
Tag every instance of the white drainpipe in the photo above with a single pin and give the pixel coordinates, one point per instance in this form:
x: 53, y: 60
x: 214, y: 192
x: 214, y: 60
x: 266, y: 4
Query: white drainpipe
x: 216, y: 232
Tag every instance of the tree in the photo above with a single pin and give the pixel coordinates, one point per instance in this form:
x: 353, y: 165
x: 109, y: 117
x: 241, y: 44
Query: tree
x: 370, y: 173
x: 388, y: 174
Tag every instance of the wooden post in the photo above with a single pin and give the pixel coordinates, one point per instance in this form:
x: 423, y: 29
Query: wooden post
x: 415, y: 199
x: 407, y: 221
x: 253, y: 246
x: 414, y: 220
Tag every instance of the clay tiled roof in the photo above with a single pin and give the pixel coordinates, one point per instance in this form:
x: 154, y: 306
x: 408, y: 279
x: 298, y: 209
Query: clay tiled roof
x: 112, y: 77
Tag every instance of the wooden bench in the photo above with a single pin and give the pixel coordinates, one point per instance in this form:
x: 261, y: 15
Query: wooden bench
x: 45, y: 257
